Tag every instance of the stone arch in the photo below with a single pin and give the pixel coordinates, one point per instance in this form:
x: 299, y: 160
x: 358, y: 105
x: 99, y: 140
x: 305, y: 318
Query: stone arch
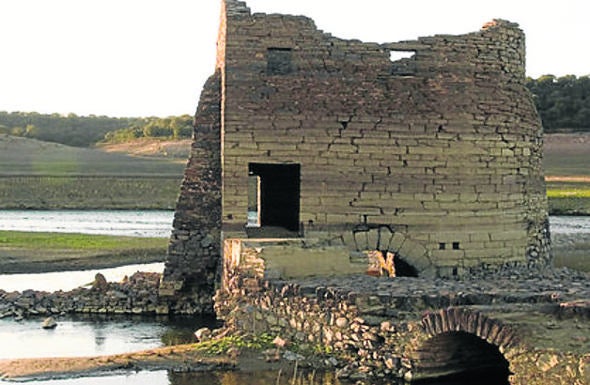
x: 386, y: 238
x: 473, y: 322
x: 458, y: 341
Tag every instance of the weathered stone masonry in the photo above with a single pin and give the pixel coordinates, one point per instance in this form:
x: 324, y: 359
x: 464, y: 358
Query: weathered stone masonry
x: 436, y: 157
x: 415, y: 328
x: 194, y: 249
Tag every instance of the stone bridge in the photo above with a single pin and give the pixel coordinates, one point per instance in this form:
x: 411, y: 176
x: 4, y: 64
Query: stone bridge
x: 529, y: 327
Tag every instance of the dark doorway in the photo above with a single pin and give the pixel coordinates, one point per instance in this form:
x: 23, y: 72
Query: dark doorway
x: 273, y: 200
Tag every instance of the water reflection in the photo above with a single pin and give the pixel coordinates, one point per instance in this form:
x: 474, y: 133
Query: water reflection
x: 242, y: 378
x: 136, y: 223
x: 254, y: 378
x: 90, y: 335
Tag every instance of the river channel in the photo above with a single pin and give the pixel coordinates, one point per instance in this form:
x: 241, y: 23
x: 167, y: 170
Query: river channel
x: 98, y: 335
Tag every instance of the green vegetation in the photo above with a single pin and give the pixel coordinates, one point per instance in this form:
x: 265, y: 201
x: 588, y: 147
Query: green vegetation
x: 246, y: 341
x: 41, y: 175
x: 569, y: 202
x: 567, y: 169
x: 173, y: 127
x: 569, y: 190
x: 86, y: 131
x: 563, y: 103
x: 83, y: 242
x: 93, y: 192
x: 24, y: 252
x: 21, y: 156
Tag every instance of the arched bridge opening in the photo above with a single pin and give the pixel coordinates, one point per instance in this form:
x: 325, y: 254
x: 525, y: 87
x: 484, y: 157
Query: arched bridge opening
x: 460, y: 357
x: 463, y: 344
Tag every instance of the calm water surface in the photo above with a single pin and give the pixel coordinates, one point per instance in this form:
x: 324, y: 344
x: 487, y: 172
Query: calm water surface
x: 570, y: 225
x: 234, y: 378
x: 136, y: 223
x: 158, y: 223
x: 91, y: 335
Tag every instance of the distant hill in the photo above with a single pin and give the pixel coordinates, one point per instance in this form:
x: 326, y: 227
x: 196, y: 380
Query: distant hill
x: 86, y: 131
x: 151, y: 147
x: 25, y: 156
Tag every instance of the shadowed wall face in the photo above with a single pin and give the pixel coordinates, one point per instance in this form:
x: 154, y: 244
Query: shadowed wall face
x: 194, y: 250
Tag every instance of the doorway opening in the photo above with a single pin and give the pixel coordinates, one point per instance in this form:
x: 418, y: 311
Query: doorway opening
x: 273, y: 200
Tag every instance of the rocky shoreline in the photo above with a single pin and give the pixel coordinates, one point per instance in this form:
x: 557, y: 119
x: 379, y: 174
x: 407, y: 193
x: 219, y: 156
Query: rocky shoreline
x: 562, y: 295
x: 137, y: 294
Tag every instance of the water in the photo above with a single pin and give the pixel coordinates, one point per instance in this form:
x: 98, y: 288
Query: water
x: 162, y: 377
x: 144, y: 223
x: 569, y: 225
x: 158, y: 223
x: 68, y: 280
x: 91, y: 335
x: 268, y: 377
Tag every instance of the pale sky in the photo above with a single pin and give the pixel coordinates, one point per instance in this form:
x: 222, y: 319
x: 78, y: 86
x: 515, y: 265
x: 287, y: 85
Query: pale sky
x: 151, y: 57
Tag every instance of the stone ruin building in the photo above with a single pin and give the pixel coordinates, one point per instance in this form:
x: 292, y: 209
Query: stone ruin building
x: 314, y: 150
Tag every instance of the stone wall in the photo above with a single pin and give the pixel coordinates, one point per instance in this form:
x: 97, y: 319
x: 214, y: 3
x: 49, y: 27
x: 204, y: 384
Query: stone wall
x: 444, y: 147
x: 194, y: 251
x: 407, y: 327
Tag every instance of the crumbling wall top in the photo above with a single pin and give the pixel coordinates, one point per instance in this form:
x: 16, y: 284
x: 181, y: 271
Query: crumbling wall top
x: 236, y: 8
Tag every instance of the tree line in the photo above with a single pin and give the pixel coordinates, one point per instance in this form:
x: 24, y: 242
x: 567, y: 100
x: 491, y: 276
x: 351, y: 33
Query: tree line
x: 563, y: 103
x: 85, y: 131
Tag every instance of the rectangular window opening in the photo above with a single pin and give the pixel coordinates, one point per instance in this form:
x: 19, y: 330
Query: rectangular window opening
x: 279, y: 61
x: 273, y: 200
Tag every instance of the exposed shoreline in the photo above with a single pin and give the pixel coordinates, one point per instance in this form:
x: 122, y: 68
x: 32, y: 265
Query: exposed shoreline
x: 165, y: 358
x: 28, y: 265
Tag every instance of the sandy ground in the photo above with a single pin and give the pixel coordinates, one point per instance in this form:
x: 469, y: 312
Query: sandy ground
x: 176, y: 149
x: 174, y: 357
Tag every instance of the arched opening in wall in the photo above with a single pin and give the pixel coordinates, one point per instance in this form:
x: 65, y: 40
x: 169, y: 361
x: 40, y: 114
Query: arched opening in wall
x: 404, y: 269
x: 387, y: 263
x: 460, y: 358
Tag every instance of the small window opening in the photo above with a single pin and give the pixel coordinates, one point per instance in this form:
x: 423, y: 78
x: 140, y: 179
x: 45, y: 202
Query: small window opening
x: 442, y: 246
x: 456, y: 245
x: 273, y: 199
x: 279, y: 61
x: 403, y: 63
x: 399, y: 55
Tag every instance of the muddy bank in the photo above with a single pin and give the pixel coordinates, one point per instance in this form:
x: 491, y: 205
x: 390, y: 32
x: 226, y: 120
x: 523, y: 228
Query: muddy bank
x: 178, y: 358
x: 16, y: 262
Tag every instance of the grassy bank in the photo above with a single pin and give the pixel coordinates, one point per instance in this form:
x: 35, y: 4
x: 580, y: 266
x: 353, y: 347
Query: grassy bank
x: 41, y: 175
x: 89, y: 192
x: 567, y: 170
x: 569, y: 196
x: 25, y: 252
